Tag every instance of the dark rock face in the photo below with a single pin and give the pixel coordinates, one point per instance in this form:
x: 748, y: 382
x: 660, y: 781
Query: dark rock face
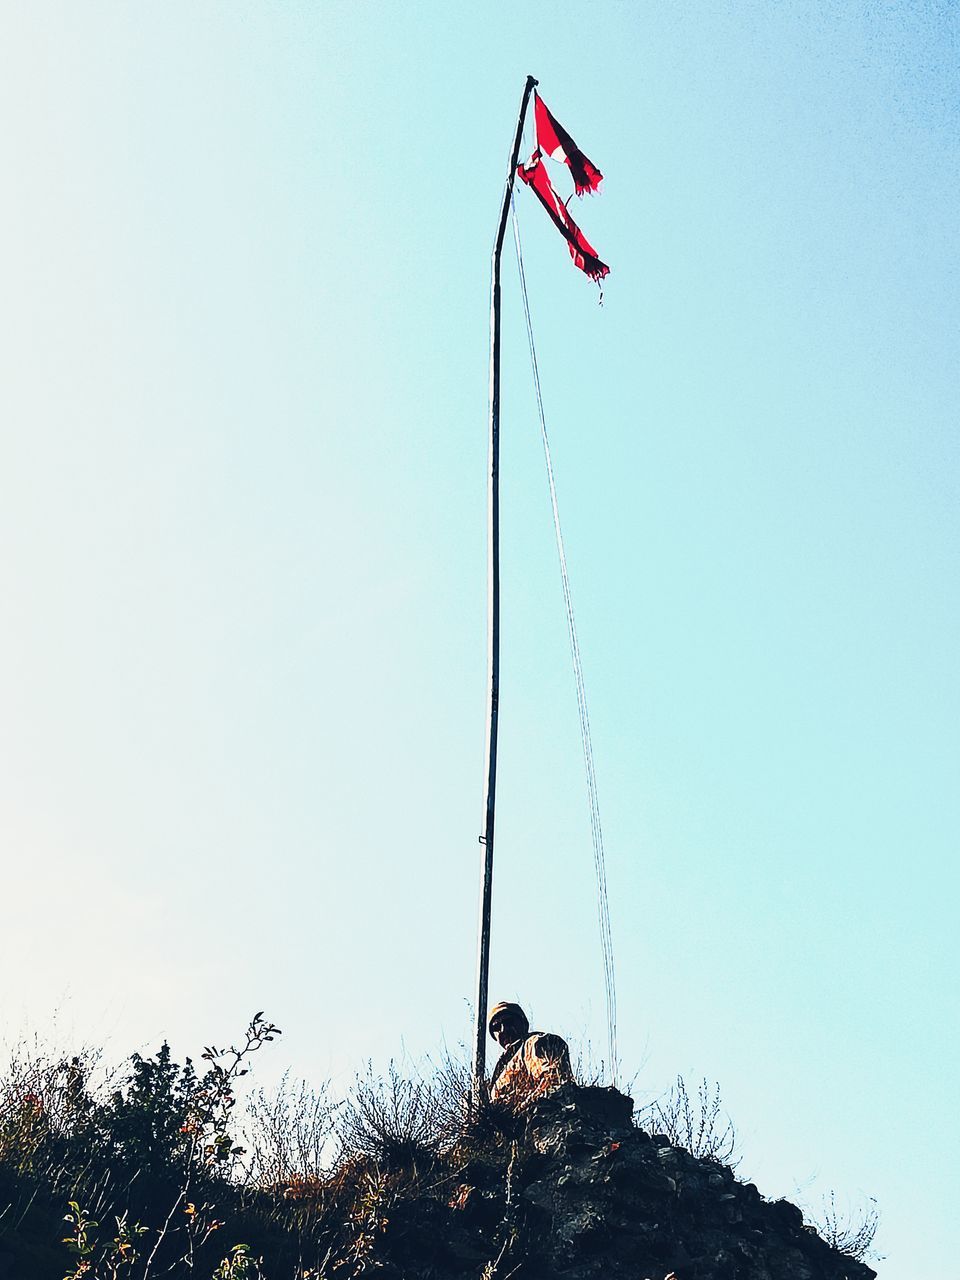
x: 586, y: 1194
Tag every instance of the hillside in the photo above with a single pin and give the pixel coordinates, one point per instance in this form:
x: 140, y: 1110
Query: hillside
x: 146, y: 1178
x: 582, y: 1192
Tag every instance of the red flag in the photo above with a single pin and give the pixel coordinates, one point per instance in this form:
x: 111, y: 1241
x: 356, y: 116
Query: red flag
x: 535, y: 175
x: 554, y: 141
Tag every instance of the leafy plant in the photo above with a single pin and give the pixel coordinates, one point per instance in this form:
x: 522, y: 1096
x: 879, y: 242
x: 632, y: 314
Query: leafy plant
x: 217, y: 1097
x: 153, y: 1147
x: 100, y: 1262
x: 239, y: 1264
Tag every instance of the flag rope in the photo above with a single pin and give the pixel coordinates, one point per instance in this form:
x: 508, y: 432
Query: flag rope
x: 596, y: 831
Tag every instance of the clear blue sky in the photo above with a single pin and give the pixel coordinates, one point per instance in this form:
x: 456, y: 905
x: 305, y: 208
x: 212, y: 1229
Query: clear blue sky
x: 245, y: 251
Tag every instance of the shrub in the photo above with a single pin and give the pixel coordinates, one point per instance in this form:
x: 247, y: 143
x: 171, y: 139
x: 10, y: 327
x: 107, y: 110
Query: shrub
x: 152, y: 1154
x: 390, y: 1119
x: 289, y: 1133
x: 699, y: 1125
x: 851, y: 1233
x: 44, y: 1102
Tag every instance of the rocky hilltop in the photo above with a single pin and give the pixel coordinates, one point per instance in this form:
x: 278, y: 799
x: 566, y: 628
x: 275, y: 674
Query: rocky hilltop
x: 579, y: 1191
x: 143, y: 1181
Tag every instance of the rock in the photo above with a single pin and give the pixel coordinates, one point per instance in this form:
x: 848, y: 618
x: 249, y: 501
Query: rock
x: 591, y: 1197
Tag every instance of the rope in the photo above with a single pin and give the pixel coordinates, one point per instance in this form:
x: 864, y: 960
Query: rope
x: 596, y: 831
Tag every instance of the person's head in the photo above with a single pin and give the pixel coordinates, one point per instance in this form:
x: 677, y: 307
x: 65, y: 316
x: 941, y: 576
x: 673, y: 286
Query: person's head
x: 508, y: 1023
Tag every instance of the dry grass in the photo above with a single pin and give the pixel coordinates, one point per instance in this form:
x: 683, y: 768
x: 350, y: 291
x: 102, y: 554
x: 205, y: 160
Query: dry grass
x: 697, y: 1123
x: 289, y: 1132
x: 320, y: 1185
x: 851, y: 1232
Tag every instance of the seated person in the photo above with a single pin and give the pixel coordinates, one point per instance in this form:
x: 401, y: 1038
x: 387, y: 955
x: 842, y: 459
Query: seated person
x: 531, y: 1064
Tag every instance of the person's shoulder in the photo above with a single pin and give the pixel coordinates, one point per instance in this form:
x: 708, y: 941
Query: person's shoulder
x: 546, y: 1040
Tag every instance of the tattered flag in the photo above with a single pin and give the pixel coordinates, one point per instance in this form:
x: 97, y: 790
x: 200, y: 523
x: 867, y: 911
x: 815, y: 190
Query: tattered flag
x: 535, y: 175
x: 554, y: 141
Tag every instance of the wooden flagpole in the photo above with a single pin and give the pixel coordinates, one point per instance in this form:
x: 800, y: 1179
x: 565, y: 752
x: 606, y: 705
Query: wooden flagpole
x: 493, y: 618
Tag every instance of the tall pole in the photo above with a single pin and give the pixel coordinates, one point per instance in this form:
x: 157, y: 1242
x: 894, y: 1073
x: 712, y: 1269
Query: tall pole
x: 493, y: 618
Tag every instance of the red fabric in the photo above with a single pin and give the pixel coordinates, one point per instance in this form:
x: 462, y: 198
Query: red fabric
x: 554, y: 141
x: 535, y: 175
